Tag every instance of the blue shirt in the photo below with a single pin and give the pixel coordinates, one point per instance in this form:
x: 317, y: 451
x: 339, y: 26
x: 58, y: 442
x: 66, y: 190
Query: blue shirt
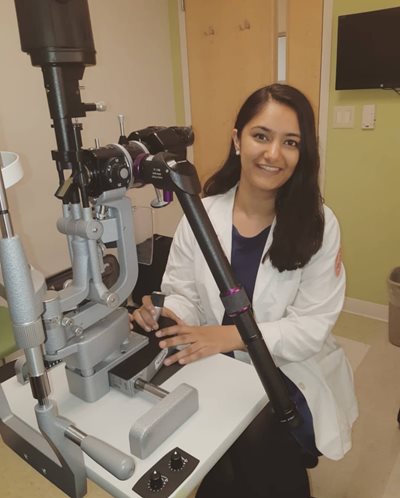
x: 245, y: 260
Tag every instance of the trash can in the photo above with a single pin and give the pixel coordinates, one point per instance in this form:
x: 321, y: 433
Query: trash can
x: 394, y: 306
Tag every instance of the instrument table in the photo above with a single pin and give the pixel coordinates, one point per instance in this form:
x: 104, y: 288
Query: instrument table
x: 230, y: 397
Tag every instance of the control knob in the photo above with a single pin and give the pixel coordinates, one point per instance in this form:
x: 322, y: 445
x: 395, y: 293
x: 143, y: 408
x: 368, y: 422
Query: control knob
x: 176, y: 462
x: 156, y: 481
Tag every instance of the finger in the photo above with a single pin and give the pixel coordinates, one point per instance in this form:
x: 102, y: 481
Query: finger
x: 156, y: 312
x: 149, y: 318
x: 178, y: 356
x: 171, y: 360
x: 147, y: 303
x: 137, y: 317
x: 170, y: 314
x: 185, y: 356
x: 131, y: 320
x: 177, y: 340
x: 144, y: 319
x: 190, y: 358
x: 168, y: 331
x: 178, y: 329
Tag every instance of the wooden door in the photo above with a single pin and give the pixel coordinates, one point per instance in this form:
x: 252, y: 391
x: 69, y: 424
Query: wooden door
x: 304, y: 47
x: 231, y: 48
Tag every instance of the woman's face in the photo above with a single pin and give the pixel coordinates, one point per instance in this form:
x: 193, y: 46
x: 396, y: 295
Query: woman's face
x: 269, y: 147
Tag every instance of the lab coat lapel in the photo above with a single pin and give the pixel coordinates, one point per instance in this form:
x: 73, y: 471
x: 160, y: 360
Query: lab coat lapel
x: 221, y: 218
x: 265, y: 272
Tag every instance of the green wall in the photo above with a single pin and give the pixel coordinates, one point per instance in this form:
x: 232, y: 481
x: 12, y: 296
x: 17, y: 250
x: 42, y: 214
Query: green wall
x: 362, y: 182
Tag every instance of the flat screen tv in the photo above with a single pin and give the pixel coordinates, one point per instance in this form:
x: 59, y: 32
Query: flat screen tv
x: 368, y: 50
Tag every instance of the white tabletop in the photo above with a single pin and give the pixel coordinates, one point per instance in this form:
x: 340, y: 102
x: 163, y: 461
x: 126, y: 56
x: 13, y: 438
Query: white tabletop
x: 230, y: 396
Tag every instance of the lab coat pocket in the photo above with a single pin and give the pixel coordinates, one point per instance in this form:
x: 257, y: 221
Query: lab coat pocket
x: 338, y: 375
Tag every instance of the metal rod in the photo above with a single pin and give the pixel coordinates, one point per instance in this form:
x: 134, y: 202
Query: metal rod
x: 75, y: 434
x: 143, y: 385
x: 6, y: 227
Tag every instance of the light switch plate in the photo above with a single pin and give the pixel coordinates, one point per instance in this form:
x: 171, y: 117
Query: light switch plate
x: 343, y: 116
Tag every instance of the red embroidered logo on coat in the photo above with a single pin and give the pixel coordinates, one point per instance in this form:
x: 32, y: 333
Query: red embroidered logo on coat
x: 338, y: 262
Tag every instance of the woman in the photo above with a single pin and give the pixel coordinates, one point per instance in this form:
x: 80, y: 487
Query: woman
x: 284, y: 247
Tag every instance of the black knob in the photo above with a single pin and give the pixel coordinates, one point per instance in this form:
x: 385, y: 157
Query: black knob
x: 176, y: 462
x: 156, y: 481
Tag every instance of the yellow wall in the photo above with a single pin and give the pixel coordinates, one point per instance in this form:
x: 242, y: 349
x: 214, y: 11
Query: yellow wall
x: 363, y: 177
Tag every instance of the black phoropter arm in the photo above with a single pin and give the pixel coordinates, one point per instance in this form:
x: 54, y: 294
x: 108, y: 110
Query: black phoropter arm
x: 163, y: 171
x: 242, y: 316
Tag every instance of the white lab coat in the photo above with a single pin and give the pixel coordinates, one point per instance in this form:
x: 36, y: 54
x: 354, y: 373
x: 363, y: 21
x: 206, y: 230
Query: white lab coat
x: 295, y: 311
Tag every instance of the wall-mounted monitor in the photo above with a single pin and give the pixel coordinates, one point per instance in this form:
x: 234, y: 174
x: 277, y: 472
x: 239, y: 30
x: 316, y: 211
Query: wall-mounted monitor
x: 368, y: 50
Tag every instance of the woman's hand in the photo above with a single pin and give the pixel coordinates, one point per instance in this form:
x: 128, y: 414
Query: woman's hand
x: 199, y: 341
x: 146, y: 314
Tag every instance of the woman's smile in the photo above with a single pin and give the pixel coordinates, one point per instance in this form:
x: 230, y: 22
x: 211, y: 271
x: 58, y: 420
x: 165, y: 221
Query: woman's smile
x: 269, y: 169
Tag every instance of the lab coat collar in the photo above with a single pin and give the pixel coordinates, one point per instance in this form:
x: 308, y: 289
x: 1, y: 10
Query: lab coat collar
x: 221, y: 215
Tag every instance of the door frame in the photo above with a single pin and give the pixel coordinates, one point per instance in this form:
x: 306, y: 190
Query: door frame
x: 325, y: 86
x: 184, y: 63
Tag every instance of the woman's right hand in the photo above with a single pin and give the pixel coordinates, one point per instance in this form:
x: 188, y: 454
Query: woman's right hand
x: 146, y: 315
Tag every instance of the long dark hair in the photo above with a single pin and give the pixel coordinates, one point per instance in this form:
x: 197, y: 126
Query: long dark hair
x: 298, y: 205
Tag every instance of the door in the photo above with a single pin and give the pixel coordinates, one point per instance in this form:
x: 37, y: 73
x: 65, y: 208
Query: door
x: 231, y: 47
x: 232, y: 50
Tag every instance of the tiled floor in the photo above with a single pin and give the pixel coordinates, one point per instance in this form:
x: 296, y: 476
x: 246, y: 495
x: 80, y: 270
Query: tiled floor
x: 370, y: 470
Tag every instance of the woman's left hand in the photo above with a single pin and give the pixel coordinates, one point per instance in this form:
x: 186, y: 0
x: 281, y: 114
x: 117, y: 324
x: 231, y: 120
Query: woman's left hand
x: 199, y: 341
